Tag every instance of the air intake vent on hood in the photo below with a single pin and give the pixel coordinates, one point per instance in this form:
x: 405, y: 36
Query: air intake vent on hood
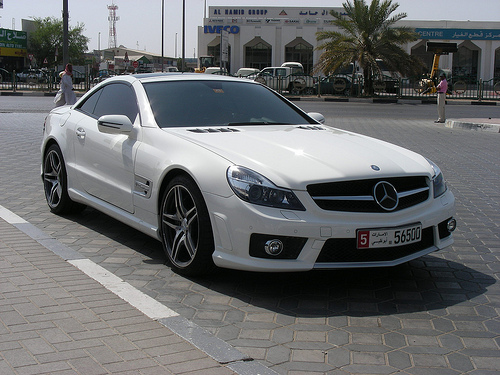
x: 214, y: 130
x: 311, y: 127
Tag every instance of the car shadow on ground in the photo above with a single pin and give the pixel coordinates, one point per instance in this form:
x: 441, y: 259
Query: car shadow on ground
x: 428, y: 284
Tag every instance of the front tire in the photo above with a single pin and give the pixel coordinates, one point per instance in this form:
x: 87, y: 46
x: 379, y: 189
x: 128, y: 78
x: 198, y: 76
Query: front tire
x: 186, y: 232
x: 55, y: 183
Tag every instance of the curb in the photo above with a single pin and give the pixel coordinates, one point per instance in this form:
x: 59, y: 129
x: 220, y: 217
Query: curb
x: 457, y: 124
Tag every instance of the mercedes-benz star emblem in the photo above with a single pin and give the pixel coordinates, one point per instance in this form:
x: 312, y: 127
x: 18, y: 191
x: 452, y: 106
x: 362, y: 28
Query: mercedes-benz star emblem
x: 386, y: 195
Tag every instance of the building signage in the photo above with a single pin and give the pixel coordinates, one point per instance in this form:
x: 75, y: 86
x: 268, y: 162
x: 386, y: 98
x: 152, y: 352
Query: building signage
x: 273, y: 12
x: 239, y: 12
x: 459, y: 34
x: 13, y: 43
x: 218, y: 29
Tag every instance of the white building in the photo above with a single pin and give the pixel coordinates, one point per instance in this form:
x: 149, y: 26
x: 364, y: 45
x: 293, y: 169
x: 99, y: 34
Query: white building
x: 264, y: 36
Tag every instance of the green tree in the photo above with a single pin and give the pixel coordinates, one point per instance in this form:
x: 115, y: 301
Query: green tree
x: 48, y: 38
x: 367, y: 33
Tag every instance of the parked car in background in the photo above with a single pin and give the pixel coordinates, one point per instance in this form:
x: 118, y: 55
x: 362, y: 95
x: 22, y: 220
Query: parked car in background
x: 246, y: 181
x: 78, y: 77
x: 216, y: 70
x: 298, y: 67
x: 386, y: 84
x: 245, y: 72
x: 104, y: 74
x: 5, y: 75
x: 284, y: 78
x: 32, y: 76
x: 338, y: 84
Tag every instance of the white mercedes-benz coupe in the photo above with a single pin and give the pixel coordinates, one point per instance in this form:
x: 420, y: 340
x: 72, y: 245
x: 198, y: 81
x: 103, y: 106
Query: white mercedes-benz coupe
x: 226, y: 172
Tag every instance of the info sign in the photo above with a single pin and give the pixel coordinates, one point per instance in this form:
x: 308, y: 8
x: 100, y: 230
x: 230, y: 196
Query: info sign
x: 13, y: 43
x: 224, y: 53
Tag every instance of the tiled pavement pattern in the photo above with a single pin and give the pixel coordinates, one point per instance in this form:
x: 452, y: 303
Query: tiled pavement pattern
x: 54, y: 319
x: 436, y: 315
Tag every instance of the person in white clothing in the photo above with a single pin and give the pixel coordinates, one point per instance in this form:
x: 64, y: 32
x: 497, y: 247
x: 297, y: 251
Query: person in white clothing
x: 442, y: 87
x: 66, y: 95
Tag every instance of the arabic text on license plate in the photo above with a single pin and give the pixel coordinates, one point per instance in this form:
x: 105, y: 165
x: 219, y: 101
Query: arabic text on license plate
x: 373, y: 238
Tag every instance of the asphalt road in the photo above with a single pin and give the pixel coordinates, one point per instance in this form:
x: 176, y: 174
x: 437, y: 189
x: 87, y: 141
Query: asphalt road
x: 439, y: 314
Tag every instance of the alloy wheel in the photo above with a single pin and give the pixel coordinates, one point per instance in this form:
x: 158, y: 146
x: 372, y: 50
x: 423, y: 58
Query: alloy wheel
x: 180, y: 226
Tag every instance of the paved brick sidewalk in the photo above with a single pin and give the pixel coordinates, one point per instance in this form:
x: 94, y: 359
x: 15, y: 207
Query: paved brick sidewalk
x: 55, y: 319
x: 438, y: 315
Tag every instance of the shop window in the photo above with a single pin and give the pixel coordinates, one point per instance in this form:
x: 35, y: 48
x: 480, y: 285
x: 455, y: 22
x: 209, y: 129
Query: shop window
x: 258, y: 54
x: 300, y: 51
x: 214, y: 50
x: 425, y: 57
x: 465, y: 63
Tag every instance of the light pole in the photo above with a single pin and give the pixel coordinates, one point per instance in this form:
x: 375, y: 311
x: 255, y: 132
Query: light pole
x: 183, y: 34
x: 65, y: 32
x: 162, y: 30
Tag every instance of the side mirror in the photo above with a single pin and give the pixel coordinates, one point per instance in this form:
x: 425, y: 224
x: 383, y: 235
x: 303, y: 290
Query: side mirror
x: 114, y: 124
x: 317, y: 116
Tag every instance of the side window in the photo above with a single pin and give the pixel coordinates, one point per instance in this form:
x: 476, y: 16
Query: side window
x: 117, y: 99
x: 281, y: 72
x: 89, y: 105
x: 267, y: 72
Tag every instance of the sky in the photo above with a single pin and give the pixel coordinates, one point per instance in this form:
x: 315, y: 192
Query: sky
x: 139, y: 26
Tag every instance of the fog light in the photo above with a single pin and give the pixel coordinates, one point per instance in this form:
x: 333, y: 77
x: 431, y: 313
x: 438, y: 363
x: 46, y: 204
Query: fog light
x: 451, y: 225
x: 273, y: 247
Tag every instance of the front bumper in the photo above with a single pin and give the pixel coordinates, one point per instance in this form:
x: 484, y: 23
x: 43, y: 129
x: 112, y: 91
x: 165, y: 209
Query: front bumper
x: 319, y: 239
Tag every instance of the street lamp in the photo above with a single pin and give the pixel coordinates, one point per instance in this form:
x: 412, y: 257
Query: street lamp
x: 162, y: 30
x: 65, y: 32
x: 183, y: 34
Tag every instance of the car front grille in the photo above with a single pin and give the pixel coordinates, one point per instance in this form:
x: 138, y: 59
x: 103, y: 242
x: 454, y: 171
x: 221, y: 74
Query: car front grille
x: 338, y: 250
x: 358, y: 196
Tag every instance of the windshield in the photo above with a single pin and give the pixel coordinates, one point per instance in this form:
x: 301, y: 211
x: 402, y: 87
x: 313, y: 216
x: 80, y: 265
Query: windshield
x: 218, y: 103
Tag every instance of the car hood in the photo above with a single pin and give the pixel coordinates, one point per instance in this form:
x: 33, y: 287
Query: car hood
x: 294, y: 156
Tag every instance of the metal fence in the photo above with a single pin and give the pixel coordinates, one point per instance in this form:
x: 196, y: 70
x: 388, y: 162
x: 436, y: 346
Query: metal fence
x: 46, y: 83
x: 412, y: 88
x: 336, y: 86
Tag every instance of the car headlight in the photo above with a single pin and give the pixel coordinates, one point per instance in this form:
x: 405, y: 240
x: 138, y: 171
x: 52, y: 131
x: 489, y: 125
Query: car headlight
x: 254, y: 188
x: 438, y: 182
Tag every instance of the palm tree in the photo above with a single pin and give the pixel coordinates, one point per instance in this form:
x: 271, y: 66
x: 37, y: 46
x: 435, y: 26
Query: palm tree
x: 367, y: 33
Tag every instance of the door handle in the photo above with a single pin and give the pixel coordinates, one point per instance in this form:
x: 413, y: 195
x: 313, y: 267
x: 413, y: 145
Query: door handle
x: 80, y: 133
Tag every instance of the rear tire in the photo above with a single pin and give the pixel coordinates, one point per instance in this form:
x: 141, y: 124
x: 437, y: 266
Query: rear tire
x: 186, y: 231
